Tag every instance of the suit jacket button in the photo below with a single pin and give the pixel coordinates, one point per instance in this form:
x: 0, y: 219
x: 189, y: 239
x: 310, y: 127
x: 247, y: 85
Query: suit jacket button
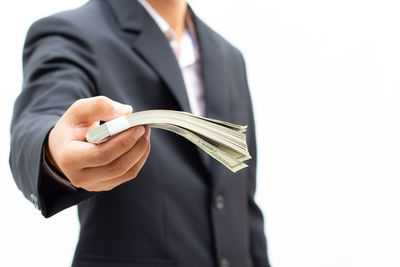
x: 34, y: 201
x: 219, y: 202
x: 224, y: 263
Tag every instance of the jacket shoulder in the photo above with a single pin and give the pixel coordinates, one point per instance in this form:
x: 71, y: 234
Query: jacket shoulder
x: 228, y: 49
x: 85, y: 20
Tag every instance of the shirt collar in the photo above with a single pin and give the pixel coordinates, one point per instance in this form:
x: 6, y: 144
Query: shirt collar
x: 162, y: 24
x: 188, y: 53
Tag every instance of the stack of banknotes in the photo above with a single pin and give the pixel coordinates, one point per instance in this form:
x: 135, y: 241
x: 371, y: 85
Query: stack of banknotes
x: 224, y: 141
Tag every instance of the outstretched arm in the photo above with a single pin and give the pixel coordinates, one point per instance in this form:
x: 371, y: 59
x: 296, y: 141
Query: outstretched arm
x: 60, y: 69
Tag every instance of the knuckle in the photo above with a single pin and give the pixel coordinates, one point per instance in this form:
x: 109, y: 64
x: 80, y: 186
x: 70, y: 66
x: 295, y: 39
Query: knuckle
x: 78, y: 103
x: 99, y: 103
x: 81, y: 101
x: 101, y: 99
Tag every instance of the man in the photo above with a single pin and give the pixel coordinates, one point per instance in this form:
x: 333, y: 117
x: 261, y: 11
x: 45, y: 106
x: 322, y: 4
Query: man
x: 182, y: 209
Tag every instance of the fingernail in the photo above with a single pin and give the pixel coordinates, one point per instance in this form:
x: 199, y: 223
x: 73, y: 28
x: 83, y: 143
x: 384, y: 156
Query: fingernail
x: 139, y: 131
x: 148, y: 134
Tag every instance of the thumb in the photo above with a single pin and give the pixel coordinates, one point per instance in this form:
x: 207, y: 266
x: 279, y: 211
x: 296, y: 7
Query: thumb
x: 93, y: 109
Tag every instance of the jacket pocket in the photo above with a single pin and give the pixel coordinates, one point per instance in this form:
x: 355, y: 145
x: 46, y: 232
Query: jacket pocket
x: 112, y: 261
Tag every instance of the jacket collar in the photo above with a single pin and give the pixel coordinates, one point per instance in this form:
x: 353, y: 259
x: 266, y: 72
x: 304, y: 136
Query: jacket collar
x: 129, y: 14
x: 152, y: 45
x: 215, y: 70
x: 148, y: 41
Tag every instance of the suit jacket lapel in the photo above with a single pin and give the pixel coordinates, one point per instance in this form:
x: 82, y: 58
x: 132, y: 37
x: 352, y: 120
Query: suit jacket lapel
x: 147, y: 40
x: 213, y: 71
x: 151, y: 44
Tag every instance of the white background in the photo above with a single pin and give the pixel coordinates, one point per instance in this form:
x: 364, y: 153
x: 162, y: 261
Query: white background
x: 325, y: 80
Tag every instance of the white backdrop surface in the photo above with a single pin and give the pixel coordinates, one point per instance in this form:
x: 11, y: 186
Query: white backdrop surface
x: 325, y: 81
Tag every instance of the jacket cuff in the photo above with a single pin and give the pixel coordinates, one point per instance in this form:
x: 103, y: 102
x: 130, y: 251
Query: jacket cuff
x: 53, y: 171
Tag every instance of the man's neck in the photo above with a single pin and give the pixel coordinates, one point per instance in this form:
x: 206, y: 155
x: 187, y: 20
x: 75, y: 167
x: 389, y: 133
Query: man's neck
x: 173, y: 12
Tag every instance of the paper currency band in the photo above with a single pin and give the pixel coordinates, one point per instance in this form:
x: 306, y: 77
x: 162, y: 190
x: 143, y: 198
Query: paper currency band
x: 117, y: 125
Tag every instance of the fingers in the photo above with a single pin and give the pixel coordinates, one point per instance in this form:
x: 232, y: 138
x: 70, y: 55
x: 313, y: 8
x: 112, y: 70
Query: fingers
x: 127, y: 176
x: 85, y: 155
x: 89, y: 110
x: 107, y: 152
x: 103, y: 166
x: 119, y: 166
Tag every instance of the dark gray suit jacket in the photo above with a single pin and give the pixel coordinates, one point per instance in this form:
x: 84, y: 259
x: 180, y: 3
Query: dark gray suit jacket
x: 178, y: 211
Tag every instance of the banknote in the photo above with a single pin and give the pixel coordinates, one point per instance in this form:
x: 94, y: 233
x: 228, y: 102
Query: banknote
x: 227, y: 158
x: 223, y: 141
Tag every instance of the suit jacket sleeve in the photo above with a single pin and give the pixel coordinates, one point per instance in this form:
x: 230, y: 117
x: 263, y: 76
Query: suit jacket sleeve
x: 58, y: 68
x: 258, y: 244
